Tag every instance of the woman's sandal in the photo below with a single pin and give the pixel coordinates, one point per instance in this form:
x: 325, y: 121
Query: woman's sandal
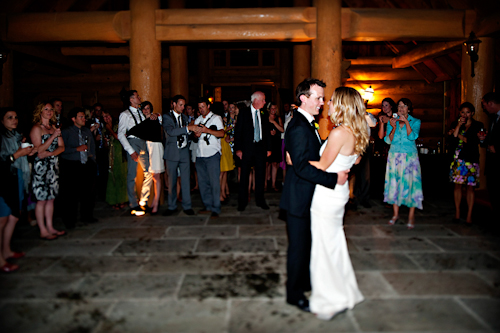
x: 393, y: 220
x: 411, y: 224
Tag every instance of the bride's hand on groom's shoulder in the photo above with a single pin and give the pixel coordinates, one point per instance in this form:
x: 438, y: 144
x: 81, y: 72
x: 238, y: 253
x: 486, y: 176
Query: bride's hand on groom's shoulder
x: 342, y: 177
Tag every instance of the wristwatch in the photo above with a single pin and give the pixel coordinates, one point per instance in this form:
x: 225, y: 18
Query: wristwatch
x: 12, y: 158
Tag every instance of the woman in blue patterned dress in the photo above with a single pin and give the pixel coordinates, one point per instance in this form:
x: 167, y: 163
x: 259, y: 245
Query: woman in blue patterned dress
x: 48, y: 141
x: 464, y: 169
x: 403, y: 180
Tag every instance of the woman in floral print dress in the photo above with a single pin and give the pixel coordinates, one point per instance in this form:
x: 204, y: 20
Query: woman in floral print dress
x: 464, y: 169
x: 403, y: 179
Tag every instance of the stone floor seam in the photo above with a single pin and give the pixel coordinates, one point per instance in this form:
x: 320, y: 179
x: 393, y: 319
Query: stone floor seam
x: 178, y: 287
x: 227, y: 318
x: 473, y: 314
x: 421, y: 269
x: 352, y: 318
x: 116, y: 247
x: 195, y: 246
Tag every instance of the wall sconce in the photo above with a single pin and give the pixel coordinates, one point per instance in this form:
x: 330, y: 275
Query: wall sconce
x: 368, y: 94
x: 471, y: 48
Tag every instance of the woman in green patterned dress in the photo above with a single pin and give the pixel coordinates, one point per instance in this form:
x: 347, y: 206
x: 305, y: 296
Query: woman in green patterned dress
x: 116, y: 192
x: 403, y: 179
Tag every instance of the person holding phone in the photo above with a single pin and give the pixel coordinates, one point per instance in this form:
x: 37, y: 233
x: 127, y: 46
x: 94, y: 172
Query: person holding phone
x: 403, y: 179
x: 464, y: 170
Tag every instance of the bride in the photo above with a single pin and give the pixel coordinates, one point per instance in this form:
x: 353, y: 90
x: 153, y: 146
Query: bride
x: 334, y: 286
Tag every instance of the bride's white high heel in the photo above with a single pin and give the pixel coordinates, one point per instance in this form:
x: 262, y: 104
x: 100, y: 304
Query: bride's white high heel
x: 393, y: 220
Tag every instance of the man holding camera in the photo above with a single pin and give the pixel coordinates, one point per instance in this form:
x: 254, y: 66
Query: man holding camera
x: 177, y: 127
x: 211, y: 129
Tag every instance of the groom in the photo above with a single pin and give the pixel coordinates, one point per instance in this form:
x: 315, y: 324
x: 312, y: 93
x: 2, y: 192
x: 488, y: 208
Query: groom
x: 302, y: 141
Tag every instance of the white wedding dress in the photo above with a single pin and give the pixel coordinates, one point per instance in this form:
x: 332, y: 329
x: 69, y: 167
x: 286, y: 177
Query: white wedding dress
x: 334, y: 286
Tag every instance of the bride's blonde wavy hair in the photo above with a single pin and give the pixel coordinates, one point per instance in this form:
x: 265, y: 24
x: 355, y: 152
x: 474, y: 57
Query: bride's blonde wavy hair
x: 349, y: 110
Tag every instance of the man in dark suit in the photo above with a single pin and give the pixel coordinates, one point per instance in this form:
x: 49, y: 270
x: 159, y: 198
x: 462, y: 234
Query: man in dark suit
x: 491, y: 105
x: 252, y: 145
x: 177, y: 127
x: 302, y: 142
x: 78, y: 171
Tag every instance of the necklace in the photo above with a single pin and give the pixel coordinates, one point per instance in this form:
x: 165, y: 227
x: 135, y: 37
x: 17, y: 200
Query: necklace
x: 48, y: 128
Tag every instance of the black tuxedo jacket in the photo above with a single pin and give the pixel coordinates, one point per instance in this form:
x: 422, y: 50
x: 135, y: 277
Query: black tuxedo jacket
x: 301, y: 177
x: 493, y: 139
x: 244, y: 130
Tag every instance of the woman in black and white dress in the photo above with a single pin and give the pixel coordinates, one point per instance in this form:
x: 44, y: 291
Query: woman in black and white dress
x: 49, y: 144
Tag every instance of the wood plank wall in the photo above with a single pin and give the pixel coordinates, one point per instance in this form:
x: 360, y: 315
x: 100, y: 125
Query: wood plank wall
x: 427, y: 99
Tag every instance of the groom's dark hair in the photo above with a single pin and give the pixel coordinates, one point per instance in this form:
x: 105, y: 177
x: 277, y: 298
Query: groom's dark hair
x: 304, y: 88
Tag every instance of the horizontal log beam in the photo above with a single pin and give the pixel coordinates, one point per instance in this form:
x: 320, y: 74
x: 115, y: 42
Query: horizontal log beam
x: 294, y: 32
x: 370, y: 24
x: 284, y: 24
x: 113, y: 27
x: 236, y: 16
x: 95, y: 51
x: 53, y: 55
x: 425, y: 52
x: 387, y: 88
x: 372, y: 61
x: 369, y: 73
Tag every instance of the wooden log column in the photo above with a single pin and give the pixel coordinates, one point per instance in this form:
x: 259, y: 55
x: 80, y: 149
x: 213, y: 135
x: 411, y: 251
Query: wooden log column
x: 474, y: 88
x: 145, y: 52
x: 7, y: 86
x: 178, y: 71
x: 301, y: 63
x: 327, y: 53
x: 178, y: 62
x: 145, y: 60
x: 301, y: 54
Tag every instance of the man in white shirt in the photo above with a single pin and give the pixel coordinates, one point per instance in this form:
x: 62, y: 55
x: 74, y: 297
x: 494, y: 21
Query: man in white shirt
x: 137, y: 152
x: 208, y: 157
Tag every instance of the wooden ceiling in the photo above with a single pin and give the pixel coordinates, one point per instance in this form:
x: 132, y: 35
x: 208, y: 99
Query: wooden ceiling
x: 439, y: 68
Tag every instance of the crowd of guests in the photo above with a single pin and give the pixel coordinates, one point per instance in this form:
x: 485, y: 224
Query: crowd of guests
x: 67, y: 163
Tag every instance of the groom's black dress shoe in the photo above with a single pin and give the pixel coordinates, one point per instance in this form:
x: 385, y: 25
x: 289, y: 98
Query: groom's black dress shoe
x: 302, y: 304
x: 263, y: 205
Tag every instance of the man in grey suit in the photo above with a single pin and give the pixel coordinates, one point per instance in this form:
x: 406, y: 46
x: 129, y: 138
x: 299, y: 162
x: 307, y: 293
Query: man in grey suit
x: 177, y: 127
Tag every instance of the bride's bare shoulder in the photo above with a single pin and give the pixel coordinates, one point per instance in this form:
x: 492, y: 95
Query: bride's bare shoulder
x: 339, y: 133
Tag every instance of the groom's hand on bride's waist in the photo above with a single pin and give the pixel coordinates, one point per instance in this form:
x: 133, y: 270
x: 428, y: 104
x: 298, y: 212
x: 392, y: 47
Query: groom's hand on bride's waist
x: 342, y: 177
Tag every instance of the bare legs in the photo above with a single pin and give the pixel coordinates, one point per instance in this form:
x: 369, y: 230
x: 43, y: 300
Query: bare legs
x: 274, y: 172
x: 157, y: 185
x: 411, y: 216
x: 457, y: 194
x: 3, y: 222
x: 8, y: 230
x: 44, y: 212
x: 224, y: 189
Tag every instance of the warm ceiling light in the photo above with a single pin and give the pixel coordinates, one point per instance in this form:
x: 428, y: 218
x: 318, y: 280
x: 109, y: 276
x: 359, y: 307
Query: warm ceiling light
x: 368, y: 94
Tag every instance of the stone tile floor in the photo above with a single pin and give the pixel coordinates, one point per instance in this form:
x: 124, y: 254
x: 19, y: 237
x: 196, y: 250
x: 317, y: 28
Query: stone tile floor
x: 194, y: 274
